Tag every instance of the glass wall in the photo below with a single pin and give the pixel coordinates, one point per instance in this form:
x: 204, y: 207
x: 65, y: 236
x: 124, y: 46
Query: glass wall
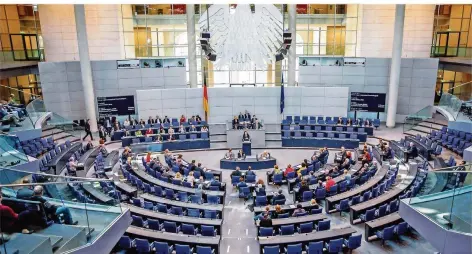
x: 160, y: 30
x: 20, y: 33
x: 452, y: 82
x: 452, y: 36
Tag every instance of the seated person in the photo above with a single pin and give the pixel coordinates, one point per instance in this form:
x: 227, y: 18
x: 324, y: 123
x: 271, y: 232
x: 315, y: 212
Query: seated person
x: 316, y: 154
x: 171, y: 131
x: 249, y: 171
x: 241, y: 155
x: 367, y: 123
x: 162, y: 130
x: 341, y: 156
x: 166, y: 120
x: 236, y: 172
x: 158, y: 138
x: 303, y: 187
x: 229, y: 155
x: 138, y: 133
x: 288, y: 170
x: 320, y: 185
x: 24, y: 192
x: 204, y: 129
x: 142, y: 122
x: 9, y: 118
x: 364, y: 149
x: 278, y: 196
x: 235, y: 123
x: 181, y: 129
x: 314, y: 204
x: 261, y: 215
x: 241, y: 183
x: 349, y: 122
x: 103, y: 150
x: 347, y: 177
x: 193, y: 128
x: 11, y: 221
x: 171, y: 137
x: 53, y: 211
x: 302, y: 167
x: 412, y: 152
x: 149, y: 132
x: 366, y: 158
x: 278, y: 211
x: 126, y: 123
x: 158, y: 120
x: 340, y: 121
x: 198, y: 119
x: 329, y: 183
x: 266, y: 221
x: 335, y: 172
x: 387, y: 153
x: 183, y: 120
x: 298, y: 211
x: 150, y: 120
x: 265, y: 155
x: 72, y: 166
x: 178, y: 176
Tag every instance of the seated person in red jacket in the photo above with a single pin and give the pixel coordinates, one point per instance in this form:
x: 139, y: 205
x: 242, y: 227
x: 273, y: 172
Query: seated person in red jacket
x: 329, y: 182
x: 11, y: 221
x: 288, y: 170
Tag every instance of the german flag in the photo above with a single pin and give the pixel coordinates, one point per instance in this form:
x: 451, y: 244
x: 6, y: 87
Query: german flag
x: 206, y: 106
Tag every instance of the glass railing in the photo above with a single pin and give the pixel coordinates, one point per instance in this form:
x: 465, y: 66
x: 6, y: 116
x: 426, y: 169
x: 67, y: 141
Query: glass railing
x: 36, y: 110
x: 451, y: 103
x: 246, y: 125
x: 11, y: 153
x: 89, y: 202
x: 415, y: 119
x: 448, y: 201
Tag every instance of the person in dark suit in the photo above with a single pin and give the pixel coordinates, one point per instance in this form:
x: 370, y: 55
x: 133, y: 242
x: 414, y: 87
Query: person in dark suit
x: 166, y: 120
x: 340, y: 121
x: 349, y: 122
x: 266, y: 221
x: 87, y: 130
x: 247, y: 115
x: 412, y: 152
x: 101, y: 133
x: 241, y: 155
x: 241, y: 116
x: 304, y: 187
x: 246, y: 136
x: 150, y: 120
x: 235, y: 123
x: 278, y: 196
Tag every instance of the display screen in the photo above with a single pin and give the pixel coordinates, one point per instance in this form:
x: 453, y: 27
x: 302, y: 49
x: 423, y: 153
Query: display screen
x: 115, y: 106
x: 367, y: 102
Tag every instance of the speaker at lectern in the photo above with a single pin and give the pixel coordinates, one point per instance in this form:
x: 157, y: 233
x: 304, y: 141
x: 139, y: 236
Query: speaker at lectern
x: 246, y: 143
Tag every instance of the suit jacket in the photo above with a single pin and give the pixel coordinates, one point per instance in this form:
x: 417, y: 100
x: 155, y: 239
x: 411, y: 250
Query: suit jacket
x: 247, y: 116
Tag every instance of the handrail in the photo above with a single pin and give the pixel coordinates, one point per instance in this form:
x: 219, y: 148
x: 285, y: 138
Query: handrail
x: 51, y: 175
x: 21, y: 91
x: 91, y: 180
x: 454, y: 87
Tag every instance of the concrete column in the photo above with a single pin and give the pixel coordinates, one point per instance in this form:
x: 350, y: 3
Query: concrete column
x: 292, y: 52
x: 85, y: 67
x: 192, y: 46
x: 395, y: 66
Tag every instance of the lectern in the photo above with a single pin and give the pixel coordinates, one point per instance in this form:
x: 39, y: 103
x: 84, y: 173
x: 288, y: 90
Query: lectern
x: 247, y: 147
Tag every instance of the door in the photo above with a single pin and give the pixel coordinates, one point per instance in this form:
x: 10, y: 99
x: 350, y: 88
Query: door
x: 25, y: 47
x: 447, y: 43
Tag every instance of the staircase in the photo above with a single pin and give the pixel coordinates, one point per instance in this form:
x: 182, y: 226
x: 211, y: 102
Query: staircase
x: 218, y: 136
x: 273, y: 136
x: 60, y: 135
x: 424, y: 127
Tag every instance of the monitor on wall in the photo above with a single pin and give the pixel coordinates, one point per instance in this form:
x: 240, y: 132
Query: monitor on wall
x: 367, y: 102
x: 116, y: 106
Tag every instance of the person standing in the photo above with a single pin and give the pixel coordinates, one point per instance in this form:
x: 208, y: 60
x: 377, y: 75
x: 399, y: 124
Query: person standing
x: 87, y: 130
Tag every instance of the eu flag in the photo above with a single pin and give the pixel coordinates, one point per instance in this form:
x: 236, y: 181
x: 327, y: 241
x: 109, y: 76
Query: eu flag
x: 282, y: 95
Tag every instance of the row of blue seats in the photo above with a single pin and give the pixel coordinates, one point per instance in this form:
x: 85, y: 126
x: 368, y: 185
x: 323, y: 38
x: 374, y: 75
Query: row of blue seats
x: 176, y: 210
x: 288, y: 215
x: 173, y: 227
x: 174, y: 125
x: 143, y: 246
x: 38, y: 146
x: 389, y: 233
x: 420, y: 179
x: 329, y: 120
x: 304, y: 228
x: 203, y: 135
x: 324, y: 128
x: 332, y: 246
x: 333, y: 135
x: 451, y: 140
x: 49, y: 156
x: 80, y: 194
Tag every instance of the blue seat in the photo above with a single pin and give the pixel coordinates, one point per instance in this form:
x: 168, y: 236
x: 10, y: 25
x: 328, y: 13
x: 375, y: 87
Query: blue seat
x: 333, y: 190
x: 382, y: 211
x: 250, y: 178
x: 195, y: 199
x: 376, y: 123
x: 353, y: 242
x: 161, y: 208
x: 208, y: 231
x: 401, y: 228
x: 163, y: 248
x: 138, y: 221
x: 204, y: 250
x: 385, y: 234
x: 170, y: 194
x: 316, y: 211
x: 183, y: 249
x: 261, y: 200
x: 305, y: 228
x: 177, y: 210
x: 171, y: 227
x: 271, y: 250
x: 294, y: 249
x: 320, y: 193
x: 210, y: 214
x: 154, y: 224
x: 392, y: 206
x: 245, y: 192
x: 191, y: 212
x: 291, y: 175
x: 234, y: 180
x: 355, y: 200
x: 342, y: 206
x: 323, y: 225
x: 189, y: 229
x: 368, y: 216
x: 335, y: 246
x: 283, y: 215
x: 143, y: 246
x: 287, y: 230
x: 266, y: 231
x: 314, y: 248
x: 137, y: 202
x: 126, y: 243
x: 183, y: 196
x: 278, y: 179
x: 307, y: 196
x: 213, y: 200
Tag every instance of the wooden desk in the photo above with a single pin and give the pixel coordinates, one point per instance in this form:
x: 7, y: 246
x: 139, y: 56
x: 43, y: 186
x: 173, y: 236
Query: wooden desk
x: 97, y: 194
x: 174, y: 237
x: 128, y: 189
x: 372, y: 226
x: 297, y: 220
x: 165, y: 201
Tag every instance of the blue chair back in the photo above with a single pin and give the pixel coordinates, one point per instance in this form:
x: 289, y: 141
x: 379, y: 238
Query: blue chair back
x: 266, y: 231
x: 271, y: 250
x: 204, y: 250
x: 208, y: 230
x: 294, y: 248
x: 306, y: 227
x: 182, y: 249
x: 324, y: 225
x: 335, y: 246
x: 315, y: 248
x: 287, y: 230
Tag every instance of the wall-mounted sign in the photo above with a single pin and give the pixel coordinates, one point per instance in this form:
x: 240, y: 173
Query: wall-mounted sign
x: 367, y: 102
x: 354, y: 61
x: 128, y: 64
x: 321, y: 61
x: 115, y: 106
x: 151, y: 63
x: 173, y: 62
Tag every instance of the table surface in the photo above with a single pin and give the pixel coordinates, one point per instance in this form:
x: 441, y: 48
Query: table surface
x: 366, y: 186
x: 171, y: 217
x: 383, y: 220
x: 316, y: 236
x: 97, y: 194
x: 297, y: 220
x: 405, y: 183
x: 173, y: 237
x: 88, y: 153
x: 125, y: 187
x: 249, y: 160
x: 165, y: 201
x: 259, y: 209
